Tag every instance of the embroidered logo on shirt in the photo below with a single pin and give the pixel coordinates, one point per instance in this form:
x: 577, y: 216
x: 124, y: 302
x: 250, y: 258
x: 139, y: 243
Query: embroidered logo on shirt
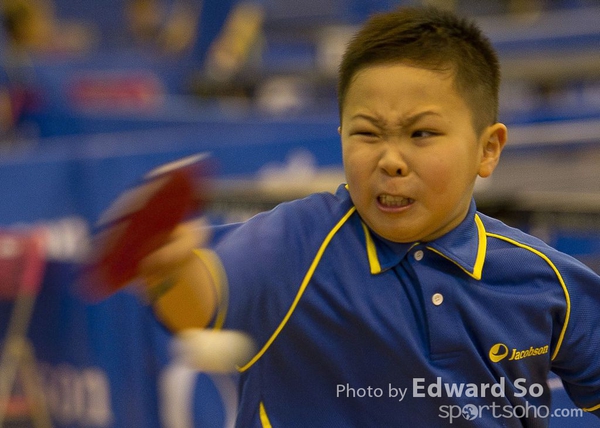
x: 500, y: 351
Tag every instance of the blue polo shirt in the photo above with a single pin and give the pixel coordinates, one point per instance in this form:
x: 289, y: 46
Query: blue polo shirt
x: 358, y: 331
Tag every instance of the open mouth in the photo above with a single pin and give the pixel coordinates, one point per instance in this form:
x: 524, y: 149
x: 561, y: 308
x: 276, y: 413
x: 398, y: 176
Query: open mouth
x: 394, y: 201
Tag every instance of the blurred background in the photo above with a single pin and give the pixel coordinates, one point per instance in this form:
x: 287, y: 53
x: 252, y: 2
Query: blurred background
x: 93, y: 94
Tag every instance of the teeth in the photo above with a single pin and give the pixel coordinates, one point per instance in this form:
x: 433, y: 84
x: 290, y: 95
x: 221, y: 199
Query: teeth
x: 394, y: 201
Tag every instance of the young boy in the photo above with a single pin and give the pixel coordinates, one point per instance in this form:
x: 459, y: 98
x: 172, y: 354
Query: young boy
x: 394, y: 302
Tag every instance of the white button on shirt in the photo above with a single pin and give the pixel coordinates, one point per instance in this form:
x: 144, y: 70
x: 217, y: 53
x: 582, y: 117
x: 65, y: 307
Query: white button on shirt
x: 437, y: 299
x: 419, y: 255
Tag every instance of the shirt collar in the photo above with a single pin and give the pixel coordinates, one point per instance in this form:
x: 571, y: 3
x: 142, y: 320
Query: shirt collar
x: 465, y: 246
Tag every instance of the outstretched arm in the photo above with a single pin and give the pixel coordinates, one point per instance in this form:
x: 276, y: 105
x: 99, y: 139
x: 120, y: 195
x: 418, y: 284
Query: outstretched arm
x: 179, y: 282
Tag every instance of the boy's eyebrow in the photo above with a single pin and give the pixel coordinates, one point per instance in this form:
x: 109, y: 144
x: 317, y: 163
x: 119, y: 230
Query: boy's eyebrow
x: 411, y: 119
x: 404, y: 121
x: 376, y: 120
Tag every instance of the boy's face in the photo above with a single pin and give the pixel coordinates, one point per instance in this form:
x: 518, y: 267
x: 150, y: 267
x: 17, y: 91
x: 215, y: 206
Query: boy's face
x: 410, y: 151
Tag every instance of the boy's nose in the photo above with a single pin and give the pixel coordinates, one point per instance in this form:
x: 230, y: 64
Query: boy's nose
x: 393, y: 163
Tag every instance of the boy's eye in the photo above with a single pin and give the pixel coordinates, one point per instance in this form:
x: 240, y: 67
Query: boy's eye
x: 365, y: 133
x: 423, y: 134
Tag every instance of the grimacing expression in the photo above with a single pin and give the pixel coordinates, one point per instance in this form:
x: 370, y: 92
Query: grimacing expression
x: 411, y: 153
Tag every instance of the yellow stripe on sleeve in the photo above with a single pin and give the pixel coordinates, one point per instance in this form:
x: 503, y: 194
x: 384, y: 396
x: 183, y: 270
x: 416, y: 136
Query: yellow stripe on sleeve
x: 217, y: 272
x: 264, y: 419
x: 560, y: 280
x: 303, y: 285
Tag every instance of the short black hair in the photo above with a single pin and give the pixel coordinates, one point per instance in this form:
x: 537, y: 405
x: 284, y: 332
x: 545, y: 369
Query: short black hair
x: 430, y: 38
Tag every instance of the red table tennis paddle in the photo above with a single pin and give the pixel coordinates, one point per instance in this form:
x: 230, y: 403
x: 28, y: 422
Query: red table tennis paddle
x: 141, y: 219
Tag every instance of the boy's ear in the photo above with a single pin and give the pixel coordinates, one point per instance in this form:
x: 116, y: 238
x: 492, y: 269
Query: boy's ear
x: 493, y: 140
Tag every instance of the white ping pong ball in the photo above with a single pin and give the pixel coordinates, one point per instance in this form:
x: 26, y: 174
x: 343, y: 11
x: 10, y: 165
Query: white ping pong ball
x: 214, y: 351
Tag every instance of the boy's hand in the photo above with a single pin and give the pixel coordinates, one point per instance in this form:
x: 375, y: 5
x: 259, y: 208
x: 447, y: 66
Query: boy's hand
x: 174, y: 254
x: 176, y: 280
